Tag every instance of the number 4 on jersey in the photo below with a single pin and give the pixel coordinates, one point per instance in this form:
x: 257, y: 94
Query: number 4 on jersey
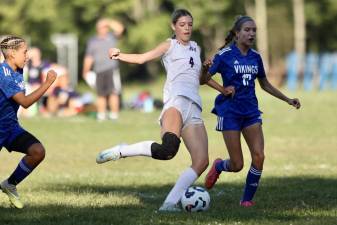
x: 191, y: 62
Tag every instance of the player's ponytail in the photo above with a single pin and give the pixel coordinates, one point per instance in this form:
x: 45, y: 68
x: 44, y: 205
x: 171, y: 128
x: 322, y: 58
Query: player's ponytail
x: 10, y: 42
x: 177, y: 14
x: 236, y: 27
x: 229, y: 38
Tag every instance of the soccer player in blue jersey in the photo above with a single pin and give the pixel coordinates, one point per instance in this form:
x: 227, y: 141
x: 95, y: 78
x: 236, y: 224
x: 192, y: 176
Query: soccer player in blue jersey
x: 239, y: 66
x: 12, y: 95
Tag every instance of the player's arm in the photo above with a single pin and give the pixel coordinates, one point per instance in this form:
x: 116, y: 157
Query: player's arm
x: 26, y: 101
x: 116, y: 27
x: 87, y: 64
x: 266, y: 86
x: 115, y: 53
x: 205, y: 76
x: 229, y: 90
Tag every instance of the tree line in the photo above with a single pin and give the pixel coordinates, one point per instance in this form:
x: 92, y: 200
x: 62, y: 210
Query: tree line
x: 147, y: 23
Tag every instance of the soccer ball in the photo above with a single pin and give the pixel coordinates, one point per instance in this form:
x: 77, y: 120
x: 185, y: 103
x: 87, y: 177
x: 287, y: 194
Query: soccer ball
x: 195, y: 199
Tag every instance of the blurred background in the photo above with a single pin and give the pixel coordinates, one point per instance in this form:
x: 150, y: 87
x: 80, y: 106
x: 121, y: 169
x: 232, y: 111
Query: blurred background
x: 297, y: 38
x: 298, y: 42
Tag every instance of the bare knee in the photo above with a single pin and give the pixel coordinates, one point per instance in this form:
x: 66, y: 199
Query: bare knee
x: 236, y: 166
x: 258, y: 160
x: 37, y: 152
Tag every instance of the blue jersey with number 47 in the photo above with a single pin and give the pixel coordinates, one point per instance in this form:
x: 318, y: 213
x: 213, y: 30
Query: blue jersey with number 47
x: 239, y: 71
x: 11, y: 83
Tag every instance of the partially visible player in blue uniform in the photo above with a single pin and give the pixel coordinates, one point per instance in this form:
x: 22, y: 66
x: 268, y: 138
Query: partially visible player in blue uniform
x: 239, y: 66
x: 12, y: 94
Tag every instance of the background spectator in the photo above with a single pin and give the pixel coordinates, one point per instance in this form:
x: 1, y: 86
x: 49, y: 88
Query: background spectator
x: 108, y: 84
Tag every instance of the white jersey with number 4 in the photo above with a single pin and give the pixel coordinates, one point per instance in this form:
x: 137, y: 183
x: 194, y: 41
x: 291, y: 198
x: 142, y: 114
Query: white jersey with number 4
x: 183, y: 65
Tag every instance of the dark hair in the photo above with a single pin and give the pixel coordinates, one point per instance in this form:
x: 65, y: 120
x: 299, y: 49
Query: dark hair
x: 177, y: 14
x: 236, y: 27
x: 10, y: 42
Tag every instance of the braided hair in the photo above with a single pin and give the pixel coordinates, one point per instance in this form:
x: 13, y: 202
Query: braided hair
x: 10, y: 42
x: 236, y: 27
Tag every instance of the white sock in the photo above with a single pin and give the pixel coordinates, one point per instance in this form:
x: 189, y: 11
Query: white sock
x: 185, y: 180
x: 138, y: 149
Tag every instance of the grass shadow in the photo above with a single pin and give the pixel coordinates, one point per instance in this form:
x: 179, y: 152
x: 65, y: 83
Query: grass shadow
x: 296, y: 200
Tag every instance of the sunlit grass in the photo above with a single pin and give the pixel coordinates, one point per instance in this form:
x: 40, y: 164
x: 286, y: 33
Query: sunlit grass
x: 298, y: 184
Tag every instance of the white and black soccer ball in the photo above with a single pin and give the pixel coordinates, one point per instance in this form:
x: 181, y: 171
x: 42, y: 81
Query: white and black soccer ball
x: 195, y: 199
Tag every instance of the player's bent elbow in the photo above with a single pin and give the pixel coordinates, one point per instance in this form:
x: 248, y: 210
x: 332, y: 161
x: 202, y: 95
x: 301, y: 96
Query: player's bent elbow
x: 202, y: 81
x: 26, y: 104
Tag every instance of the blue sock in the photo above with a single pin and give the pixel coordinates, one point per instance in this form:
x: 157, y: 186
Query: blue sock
x: 20, y: 173
x: 222, y: 166
x: 252, y: 182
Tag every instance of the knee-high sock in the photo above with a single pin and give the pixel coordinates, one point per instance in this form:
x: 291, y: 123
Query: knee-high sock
x: 20, y: 173
x: 185, y: 180
x: 252, y: 182
x: 138, y: 149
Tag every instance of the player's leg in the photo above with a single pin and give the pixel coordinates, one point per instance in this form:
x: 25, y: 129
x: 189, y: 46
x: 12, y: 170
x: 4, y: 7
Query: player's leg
x: 114, y: 106
x: 253, y: 135
x: 195, y: 139
x: 171, y: 125
x: 231, y: 134
x: 114, y: 89
x: 196, y: 142
x: 102, y: 93
x: 101, y: 106
x: 35, y: 153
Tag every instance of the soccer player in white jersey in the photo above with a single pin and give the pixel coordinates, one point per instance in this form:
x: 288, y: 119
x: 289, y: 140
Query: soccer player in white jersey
x: 181, y: 115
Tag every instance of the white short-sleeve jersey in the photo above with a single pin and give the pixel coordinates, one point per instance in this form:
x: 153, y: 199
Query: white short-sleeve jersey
x: 182, y: 64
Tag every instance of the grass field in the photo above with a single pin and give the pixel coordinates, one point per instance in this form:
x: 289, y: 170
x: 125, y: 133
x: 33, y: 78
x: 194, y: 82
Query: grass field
x: 299, y: 183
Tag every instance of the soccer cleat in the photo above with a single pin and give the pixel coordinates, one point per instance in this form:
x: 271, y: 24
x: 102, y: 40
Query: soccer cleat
x: 247, y: 204
x: 212, y: 175
x: 109, y: 154
x: 169, y: 207
x: 10, y: 191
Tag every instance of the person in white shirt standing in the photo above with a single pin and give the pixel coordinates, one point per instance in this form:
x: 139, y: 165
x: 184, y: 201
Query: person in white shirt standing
x: 181, y: 114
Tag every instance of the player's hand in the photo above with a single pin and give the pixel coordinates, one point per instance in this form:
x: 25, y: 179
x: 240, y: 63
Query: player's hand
x: 229, y: 91
x: 295, y: 102
x: 114, y: 53
x: 207, y: 63
x: 51, y: 76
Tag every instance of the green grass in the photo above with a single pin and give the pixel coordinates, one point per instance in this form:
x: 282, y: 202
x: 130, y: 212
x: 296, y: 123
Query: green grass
x: 299, y: 183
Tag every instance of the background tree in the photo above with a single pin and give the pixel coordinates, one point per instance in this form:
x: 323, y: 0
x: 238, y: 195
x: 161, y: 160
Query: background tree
x: 262, y: 34
x: 148, y: 23
x: 299, y: 32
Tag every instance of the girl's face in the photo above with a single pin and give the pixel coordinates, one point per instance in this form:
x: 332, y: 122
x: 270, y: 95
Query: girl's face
x: 20, y: 56
x: 247, y: 34
x: 183, y: 29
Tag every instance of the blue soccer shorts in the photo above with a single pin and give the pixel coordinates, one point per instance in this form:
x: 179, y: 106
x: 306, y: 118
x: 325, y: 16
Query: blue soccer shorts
x: 236, y: 123
x: 18, y: 139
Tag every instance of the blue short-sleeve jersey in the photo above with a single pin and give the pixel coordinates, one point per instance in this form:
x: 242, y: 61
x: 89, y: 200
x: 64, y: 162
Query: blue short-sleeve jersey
x: 239, y: 71
x: 11, y: 83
